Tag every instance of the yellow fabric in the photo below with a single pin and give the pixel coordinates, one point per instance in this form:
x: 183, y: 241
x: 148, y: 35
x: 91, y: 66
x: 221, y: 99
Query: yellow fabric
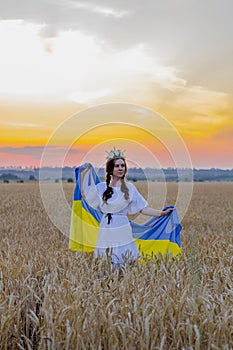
x: 155, y: 247
x: 83, y: 230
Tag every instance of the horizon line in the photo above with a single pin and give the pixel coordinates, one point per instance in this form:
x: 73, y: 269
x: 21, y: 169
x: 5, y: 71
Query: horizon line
x: 13, y: 167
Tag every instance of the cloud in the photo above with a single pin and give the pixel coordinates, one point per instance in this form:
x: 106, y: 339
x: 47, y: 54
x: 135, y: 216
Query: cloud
x: 200, y: 100
x: 36, y: 151
x: 21, y: 125
x: 105, y: 11
x: 172, y: 29
x: 78, y: 69
x: 48, y: 31
x: 103, y: 49
x: 86, y: 97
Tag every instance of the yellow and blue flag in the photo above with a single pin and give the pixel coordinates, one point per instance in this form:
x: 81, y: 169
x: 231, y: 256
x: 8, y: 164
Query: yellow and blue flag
x: 159, y: 235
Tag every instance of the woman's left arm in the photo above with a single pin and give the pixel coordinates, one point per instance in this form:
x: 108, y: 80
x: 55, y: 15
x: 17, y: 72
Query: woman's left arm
x: 154, y: 212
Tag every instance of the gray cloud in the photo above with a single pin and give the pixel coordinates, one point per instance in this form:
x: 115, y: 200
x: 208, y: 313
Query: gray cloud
x: 36, y: 151
x: 49, y: 31
x: 105, y: 11
x: 189, y: 34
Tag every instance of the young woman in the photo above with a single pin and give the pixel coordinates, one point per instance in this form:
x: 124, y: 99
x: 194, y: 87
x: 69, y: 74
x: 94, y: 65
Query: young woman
x: 116, y: 198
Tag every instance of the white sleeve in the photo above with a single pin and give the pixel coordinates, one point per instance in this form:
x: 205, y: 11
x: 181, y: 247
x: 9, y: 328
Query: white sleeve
x: 90, y: 191
x: 137, y: 202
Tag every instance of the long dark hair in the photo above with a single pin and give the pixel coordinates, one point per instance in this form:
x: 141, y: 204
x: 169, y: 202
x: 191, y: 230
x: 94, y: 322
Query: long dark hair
x: 109, y: 171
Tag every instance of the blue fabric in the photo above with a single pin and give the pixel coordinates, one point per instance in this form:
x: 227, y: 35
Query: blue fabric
x: 162, y: 228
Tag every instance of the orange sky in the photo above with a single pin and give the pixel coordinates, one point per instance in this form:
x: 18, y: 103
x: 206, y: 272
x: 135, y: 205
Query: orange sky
x: 27, y: 129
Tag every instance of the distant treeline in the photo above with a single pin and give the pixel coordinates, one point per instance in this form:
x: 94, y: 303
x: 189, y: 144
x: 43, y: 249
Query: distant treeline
x: 134, y: 174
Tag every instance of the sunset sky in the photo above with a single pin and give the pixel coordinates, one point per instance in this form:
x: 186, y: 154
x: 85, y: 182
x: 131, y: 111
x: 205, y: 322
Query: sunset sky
x: 170, y: 57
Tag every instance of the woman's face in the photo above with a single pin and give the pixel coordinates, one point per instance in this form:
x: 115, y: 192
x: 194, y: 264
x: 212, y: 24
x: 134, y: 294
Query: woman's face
x: 119, y: 168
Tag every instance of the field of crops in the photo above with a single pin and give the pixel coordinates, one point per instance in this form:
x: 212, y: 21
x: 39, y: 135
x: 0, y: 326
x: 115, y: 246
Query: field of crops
x: 51, y: 298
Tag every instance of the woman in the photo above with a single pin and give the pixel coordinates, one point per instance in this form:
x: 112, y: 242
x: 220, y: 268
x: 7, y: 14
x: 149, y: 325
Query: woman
x: 116, y: 198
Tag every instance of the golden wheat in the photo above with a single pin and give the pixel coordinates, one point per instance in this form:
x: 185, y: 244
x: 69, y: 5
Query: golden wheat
x: 52, y: 298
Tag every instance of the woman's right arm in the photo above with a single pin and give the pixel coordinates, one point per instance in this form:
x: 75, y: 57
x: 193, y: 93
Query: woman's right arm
x: 89, y: 190
x: 83, y: 173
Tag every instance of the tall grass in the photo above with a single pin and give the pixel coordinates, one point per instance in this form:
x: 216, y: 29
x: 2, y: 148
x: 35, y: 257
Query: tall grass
x: 52, y: 298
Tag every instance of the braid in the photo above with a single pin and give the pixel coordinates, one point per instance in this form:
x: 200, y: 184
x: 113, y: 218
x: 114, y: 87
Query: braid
x: 124, y: 188
x: 108, y: 179
x: 109, y: 191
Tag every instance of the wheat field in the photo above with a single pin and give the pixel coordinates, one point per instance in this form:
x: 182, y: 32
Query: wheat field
x: 52, y: 298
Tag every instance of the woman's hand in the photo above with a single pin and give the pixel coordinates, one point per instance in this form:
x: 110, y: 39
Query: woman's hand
x: 167, y: 212
x: 84, y: 171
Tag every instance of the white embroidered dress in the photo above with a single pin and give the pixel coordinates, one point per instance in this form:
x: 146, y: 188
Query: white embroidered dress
x: 116, y: 233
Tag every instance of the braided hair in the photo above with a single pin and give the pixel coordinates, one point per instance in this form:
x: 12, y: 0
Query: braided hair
x: 109, y: 171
